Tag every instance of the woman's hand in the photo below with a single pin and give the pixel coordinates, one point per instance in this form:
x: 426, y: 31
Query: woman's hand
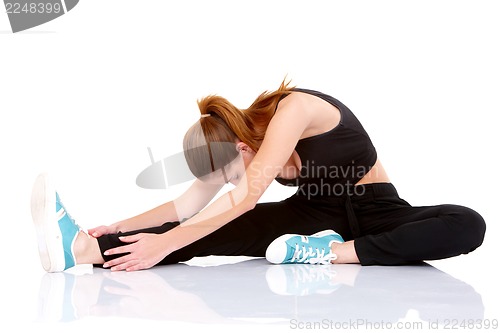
x: 143, y: 251
x: 102, y: 230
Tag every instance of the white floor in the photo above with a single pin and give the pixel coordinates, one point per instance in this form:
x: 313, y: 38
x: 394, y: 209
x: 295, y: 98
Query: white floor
x: 251, y: 294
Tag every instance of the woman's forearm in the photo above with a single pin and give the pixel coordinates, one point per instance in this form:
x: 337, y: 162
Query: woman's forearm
x: 221, y: 212
x: 151, y: 218
x: 188, y: 204
x: 225, y: 209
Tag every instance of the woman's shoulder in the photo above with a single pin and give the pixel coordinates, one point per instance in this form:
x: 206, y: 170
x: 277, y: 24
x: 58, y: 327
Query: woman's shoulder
x: 295, y: 104
x: 294, y: 99
x: 318, y: 114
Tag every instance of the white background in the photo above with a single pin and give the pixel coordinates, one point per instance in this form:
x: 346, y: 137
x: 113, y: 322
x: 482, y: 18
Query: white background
x: 84, y: 96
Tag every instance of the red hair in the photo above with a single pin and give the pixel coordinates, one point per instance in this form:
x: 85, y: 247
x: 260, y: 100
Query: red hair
x: 225, y: 123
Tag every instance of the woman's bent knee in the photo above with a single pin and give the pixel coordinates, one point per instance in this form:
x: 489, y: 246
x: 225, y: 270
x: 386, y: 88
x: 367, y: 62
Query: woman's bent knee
x: 472, y: 226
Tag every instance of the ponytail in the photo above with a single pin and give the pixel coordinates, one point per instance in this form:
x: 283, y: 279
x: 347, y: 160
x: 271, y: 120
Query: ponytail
x: 260, y: 114
x: 222, y: 122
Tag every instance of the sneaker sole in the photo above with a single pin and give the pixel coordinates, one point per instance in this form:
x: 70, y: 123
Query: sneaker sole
x: 43, y: 212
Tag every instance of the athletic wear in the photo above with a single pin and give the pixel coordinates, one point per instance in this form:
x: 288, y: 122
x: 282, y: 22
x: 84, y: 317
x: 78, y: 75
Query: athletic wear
x: 391, y: 232
x: 386, y: 229
x: 56, y: 230
x: 337, y: 158
x: 298, y: 249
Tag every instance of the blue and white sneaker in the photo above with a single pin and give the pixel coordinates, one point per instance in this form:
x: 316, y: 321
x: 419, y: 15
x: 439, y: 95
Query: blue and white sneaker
x: 298, y: 249
x: 56, y: 230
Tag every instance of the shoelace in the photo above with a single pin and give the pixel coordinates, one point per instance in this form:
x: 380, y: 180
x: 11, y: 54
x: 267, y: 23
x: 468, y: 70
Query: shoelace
x: 312, y: 256
x: 68, y: 215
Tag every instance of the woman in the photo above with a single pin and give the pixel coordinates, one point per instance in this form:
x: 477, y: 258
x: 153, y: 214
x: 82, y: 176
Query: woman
x: 299, y: 137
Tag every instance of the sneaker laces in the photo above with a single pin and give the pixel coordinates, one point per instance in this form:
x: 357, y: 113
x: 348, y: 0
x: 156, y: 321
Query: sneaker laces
x: 310, y: 255
x: 68, y: 214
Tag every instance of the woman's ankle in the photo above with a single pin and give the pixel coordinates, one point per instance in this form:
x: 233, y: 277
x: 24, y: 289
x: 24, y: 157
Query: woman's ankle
x: 86, y: 249
x: 345, y: 252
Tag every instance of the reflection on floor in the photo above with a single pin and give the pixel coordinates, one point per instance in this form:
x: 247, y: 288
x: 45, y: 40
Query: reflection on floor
x: 255, y: 291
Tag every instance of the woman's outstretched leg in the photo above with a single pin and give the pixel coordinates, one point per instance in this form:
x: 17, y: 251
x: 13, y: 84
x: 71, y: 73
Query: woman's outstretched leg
x: 61, y: 242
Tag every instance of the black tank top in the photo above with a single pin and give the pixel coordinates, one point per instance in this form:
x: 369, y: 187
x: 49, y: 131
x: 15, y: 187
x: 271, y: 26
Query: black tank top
x: 336, y: 159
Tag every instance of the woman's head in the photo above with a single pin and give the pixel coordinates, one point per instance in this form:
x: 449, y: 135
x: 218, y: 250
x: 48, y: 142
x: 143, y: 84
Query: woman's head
x: 223, y: 131
x: 210, y: 144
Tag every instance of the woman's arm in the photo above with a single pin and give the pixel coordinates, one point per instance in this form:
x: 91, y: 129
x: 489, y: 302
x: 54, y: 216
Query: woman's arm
x: 282, y: 135
x: 197, y: 196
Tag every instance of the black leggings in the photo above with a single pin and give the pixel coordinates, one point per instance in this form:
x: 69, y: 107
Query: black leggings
x: 385, y: 228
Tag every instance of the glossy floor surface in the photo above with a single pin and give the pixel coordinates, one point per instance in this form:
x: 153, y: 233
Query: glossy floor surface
x: 251, y: 293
